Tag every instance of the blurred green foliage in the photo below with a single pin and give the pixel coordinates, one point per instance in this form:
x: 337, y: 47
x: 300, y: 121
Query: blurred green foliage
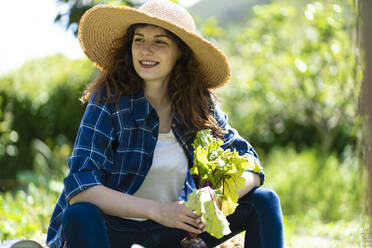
x: 296, y: 77
x: 27, y: 212
x: 39, y: 116
x: 321, y: 187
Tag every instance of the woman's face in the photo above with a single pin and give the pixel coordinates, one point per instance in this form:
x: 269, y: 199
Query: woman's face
x: 154, y: 53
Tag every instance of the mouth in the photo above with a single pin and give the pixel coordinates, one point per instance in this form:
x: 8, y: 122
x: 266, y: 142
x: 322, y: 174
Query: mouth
x: 148, y: 63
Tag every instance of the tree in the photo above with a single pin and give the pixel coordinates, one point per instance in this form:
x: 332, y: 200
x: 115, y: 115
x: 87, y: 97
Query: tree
x: 365, y: 8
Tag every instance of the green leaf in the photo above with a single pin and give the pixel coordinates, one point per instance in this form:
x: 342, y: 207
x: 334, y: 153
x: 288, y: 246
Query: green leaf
x: 231, y: 186
x: 203, y: 202
x: 257, y: 167
x: 228, y: 206
x: 222, y: 170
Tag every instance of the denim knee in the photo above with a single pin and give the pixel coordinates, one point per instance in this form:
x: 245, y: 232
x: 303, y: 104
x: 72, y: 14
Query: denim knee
x: 262, y: 198
x: 80, y: 214
x: 80, y: 221
x: 265, y: 202
x: 266, y: 205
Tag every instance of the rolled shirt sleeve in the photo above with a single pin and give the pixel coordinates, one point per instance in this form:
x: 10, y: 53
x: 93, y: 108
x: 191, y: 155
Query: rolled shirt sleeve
x: 93, y: 151
x: 233, y: 141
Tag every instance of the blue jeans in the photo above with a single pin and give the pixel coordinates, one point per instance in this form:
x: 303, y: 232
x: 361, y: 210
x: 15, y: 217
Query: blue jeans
x: 258, y: 213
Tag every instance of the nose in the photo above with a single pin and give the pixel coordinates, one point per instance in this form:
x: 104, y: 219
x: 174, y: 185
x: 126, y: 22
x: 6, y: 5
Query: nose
x: 146, y: 48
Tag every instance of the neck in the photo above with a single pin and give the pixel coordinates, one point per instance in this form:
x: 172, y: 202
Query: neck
x: 157, y: 94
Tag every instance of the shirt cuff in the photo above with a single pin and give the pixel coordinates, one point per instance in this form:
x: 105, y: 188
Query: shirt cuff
x: 79, y: 181
x: 261, y: 174
x: 254, y: 160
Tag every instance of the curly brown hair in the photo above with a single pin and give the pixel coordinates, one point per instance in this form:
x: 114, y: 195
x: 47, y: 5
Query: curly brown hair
x: 187, y: 90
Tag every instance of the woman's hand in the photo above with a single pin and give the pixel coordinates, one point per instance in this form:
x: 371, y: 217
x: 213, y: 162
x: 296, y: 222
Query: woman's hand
x: 176, y: 215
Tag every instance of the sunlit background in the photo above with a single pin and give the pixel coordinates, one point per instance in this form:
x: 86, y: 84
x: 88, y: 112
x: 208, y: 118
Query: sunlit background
x: 32, y: 33
x: 294, y: 94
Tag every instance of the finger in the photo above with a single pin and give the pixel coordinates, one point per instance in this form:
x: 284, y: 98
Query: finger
x: 190, y: 221
x: 190, y: 213
x: 200, y: 223
x: 201, y: 226
x: 185, y: 209
x: 194, y: 212
x: 189, y: 228
x: 199, y: 220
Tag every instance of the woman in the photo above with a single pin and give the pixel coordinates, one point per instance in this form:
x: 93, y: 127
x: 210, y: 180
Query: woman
x: 129, y: 172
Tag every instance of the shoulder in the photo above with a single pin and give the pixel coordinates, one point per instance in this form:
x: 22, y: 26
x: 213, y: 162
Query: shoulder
x: 110, y: 103
x: 220, y: 116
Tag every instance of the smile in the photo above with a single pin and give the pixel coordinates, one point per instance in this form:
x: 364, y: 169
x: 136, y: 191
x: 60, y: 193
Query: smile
x: 148, y: 63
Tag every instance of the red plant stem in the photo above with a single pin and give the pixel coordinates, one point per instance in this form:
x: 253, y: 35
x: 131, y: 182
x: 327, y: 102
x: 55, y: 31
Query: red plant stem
x: 223, y: 186
x: 221, y: 178
x: 197, y: 165
x: 213, y: 201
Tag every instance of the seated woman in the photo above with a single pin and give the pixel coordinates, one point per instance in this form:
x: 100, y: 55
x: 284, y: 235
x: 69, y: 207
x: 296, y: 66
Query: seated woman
x: 129, y: 172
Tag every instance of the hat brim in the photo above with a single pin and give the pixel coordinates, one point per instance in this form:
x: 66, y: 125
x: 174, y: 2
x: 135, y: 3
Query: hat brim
x: 103, y: 24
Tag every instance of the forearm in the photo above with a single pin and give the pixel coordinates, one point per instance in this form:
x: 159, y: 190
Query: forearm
x: 252, y: 180
x: 115, y: 203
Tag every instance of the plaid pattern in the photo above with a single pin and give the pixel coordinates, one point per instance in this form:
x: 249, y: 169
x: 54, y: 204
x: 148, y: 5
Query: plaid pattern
x: 114, y: 147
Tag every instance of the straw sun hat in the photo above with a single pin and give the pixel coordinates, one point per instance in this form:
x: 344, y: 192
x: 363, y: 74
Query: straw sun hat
x: 103, y: 24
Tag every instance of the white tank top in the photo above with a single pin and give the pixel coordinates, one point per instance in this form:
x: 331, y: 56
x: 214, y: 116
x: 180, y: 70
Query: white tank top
x: 167, y: 174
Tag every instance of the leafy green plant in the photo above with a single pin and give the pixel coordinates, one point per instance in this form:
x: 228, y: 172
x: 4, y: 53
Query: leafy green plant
x: 324, y: 188
x: 296, y: 76
x: 39, y: 116
x: 220, y: 174
x: 27, y: 212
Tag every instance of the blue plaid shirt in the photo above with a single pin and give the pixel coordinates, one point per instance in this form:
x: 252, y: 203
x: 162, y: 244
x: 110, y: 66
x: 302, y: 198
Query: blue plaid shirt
x: 114, y: 147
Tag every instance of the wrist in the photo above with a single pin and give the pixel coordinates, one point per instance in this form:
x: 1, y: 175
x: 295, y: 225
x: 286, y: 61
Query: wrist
x: 153, y: 210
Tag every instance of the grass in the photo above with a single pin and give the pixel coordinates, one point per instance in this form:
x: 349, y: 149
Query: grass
x: 307, y: 233
x: 300, y: 233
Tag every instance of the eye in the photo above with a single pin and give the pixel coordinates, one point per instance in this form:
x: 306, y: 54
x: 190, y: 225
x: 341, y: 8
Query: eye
x: 160, y: 42
x: 137, y: 40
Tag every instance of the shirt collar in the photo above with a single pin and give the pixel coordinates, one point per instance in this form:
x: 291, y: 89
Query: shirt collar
x: 140, y: 106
